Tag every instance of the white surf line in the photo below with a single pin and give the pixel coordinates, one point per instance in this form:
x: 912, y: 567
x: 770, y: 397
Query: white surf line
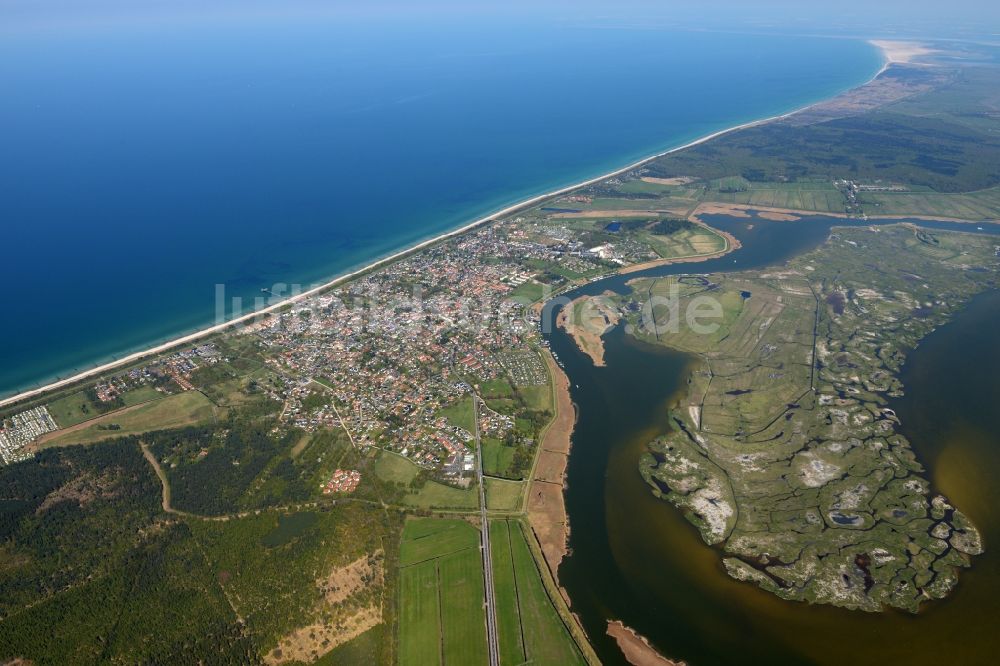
x: 381, y: 263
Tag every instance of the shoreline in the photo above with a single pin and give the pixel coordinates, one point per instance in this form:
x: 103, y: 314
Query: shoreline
x: 732, y: 243
x: 391, y: 258
x: 546, y: 502
x: 636, y: 648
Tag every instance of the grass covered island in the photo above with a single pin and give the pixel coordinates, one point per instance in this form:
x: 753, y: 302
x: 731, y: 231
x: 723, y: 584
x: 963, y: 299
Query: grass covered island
x: 784, y: 451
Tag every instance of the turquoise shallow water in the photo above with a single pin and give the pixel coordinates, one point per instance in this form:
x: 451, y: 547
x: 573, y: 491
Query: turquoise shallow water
x: 142, y: 165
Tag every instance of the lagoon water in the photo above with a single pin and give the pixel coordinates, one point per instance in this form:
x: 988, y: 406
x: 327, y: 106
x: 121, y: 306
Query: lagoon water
x: 635, y: 558
x: 142, y: 164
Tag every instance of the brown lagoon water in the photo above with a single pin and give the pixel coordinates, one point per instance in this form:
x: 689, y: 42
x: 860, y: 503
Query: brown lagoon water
x: 635, y: 558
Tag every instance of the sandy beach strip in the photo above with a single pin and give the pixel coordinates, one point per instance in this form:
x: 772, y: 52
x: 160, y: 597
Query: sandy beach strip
x: 384, y: 261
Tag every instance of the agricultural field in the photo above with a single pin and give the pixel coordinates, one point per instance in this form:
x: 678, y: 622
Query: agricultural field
x: 72, y: 409
x: 461, y: 415
x: 695, y: 241
x: 980, y: 205
x: 79, y: 407
x: 232, y: 384
x: 394, y: 468
x: 529, y: 292
x: 821, y: 196
x: 496, y: 389
x: 503, y: 495
x: 434, y: 495
x: 538, y: 397
x: 174, y: 411
x: 441, y: 616
x: 498, y: 458
x: 784, y: 452
x: 530, y: 630
x: 389, y: 477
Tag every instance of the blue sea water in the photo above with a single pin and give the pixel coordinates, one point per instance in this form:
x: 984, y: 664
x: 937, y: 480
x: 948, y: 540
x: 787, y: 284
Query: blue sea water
x: 143, y: 164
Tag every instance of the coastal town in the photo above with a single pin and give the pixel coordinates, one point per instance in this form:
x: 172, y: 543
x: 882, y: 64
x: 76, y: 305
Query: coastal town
x: 393, y: 356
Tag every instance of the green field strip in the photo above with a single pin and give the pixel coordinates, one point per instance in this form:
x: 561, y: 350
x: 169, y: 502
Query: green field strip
x: 546, y: 638
x: 419, y: 615
x: 509, y: 630
x: 463, y: 613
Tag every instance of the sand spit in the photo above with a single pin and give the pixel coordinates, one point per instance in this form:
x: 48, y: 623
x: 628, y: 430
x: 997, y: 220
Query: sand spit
x: 900, y: 52
x: 636, y: 648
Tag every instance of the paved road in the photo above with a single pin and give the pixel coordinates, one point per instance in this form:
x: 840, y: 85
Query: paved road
x: 491, y: 615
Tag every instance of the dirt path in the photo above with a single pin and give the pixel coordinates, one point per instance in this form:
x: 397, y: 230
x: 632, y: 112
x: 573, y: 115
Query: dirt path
x: 164, y: 484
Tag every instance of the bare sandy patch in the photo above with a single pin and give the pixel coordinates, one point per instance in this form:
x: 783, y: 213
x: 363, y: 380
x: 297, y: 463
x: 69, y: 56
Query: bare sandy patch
x: 636, y: 648
x: 775, y: 216
x: 309, y: 643
x: 338, y: 619
x: 679, y: 180
x: 765, y: 212
x: 81, y: 489
x: 900, y: 51
x: 616, y: 212
x: 586, y: 320
x: 345, y: 581
x: 300, y: 445
x: 12, y: 559
x: 733, y: 210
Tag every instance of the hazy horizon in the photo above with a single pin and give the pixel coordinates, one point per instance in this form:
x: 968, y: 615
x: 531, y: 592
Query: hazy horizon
x: 894, y: 18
